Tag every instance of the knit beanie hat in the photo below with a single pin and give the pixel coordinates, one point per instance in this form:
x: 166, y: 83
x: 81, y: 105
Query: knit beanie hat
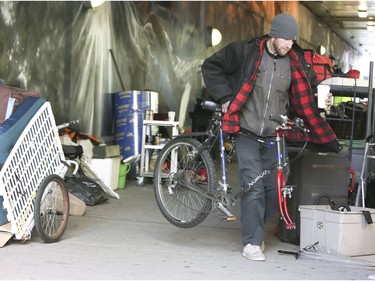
x: 284, y: 26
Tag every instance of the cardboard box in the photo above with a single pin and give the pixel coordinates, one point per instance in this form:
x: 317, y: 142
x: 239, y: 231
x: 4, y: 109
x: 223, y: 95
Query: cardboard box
x: 5, y: 233
x: 107, y: 170
x: 76, y: 206
x: 106, y: 151
x: 346, y: 232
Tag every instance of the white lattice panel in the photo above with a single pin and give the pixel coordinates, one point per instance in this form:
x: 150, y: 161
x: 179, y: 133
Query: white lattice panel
x: 36, y: 154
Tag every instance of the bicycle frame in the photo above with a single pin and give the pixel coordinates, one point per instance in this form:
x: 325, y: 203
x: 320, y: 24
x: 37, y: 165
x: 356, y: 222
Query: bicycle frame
x: 215, y: 132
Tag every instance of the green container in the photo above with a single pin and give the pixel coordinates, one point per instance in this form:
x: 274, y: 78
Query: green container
x: 124, y: 169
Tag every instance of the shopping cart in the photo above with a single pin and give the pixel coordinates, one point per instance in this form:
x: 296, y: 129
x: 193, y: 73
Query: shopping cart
x: 31, y: 179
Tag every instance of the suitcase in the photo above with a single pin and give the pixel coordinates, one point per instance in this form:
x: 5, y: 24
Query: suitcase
x: 318, y: 178
x: 321, y: 65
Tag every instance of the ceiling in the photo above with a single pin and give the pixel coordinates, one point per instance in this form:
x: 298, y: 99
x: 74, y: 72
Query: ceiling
x: 342, y: 17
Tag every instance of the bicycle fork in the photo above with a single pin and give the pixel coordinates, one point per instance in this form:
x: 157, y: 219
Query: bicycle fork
x: 283, y: 191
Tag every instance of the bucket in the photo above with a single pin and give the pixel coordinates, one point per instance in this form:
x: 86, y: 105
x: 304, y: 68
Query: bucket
x: 124, y: 169
x: 129, y: 110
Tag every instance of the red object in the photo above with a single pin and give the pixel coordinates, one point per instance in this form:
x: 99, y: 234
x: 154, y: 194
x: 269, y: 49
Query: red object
x: 353, y: 74
x: 283, y: 205
x: 322, y: 65
x: 351, y: 180
x: 202, y: 175
x: 75, y: 135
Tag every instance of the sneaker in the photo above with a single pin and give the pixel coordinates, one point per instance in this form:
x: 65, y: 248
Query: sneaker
x: 253, y: 252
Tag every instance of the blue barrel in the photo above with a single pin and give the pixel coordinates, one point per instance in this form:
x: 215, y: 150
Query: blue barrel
x: 129, y: 112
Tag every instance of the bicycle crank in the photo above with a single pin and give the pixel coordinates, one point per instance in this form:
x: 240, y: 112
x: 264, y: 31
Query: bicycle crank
x: 221, y: 205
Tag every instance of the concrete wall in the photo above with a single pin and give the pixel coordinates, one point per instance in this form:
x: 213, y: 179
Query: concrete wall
x: 61, y: 50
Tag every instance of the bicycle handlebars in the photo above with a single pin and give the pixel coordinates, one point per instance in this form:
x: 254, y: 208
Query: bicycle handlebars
x: 282, y: 120
x: 285, y: 123
x: 65, y: 125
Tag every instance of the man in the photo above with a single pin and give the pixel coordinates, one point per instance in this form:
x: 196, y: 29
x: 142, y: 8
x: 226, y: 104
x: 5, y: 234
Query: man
x: 252, y: 80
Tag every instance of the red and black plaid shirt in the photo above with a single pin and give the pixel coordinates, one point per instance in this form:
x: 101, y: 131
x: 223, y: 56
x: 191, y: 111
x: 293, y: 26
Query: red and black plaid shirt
x: 301, y: 99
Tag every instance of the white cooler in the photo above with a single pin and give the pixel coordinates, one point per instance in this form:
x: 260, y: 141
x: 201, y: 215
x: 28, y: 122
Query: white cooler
x: 107, y: 169
x: 347, y: 233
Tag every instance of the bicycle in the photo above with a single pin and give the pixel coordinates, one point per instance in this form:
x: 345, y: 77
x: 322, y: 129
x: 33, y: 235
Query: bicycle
x: 80, y: 167
x: 185, y: 185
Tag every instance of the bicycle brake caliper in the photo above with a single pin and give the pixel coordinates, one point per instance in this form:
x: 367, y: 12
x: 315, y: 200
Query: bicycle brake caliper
x: 287, y: 191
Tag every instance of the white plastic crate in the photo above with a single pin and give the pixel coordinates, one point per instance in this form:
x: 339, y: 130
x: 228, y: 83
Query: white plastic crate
x: 346, y: 233
x: 36, y: 154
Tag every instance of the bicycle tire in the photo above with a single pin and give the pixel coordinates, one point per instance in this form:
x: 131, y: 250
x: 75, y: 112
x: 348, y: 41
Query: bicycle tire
x: 181, y: 205
x: 51, y: 212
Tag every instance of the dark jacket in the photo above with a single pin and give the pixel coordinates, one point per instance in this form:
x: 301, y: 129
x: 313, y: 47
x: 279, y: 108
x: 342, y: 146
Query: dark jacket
x: 230, y: 74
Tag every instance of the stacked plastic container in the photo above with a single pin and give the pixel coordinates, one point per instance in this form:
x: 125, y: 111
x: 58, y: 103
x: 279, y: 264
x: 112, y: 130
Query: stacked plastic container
x: 129, y: 113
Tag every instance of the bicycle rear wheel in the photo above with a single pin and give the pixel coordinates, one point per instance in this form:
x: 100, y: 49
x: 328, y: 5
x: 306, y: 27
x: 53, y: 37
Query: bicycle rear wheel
x: 51, y: 209
x: 183, y: 180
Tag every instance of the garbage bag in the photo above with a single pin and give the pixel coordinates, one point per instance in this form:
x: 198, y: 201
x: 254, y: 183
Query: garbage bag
x: 86, y: 189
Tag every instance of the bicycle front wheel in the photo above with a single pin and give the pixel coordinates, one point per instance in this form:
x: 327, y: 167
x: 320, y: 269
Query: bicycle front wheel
x: 51, y: 209
x: 183, y: 182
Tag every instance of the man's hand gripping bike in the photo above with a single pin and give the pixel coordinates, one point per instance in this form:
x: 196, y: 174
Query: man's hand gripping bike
x: 185, y: 184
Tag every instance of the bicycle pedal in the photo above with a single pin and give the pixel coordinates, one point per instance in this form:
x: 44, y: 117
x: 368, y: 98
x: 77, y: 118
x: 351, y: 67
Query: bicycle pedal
x: 231, y: 218
x: 226, y: 219
x: 227, y: 215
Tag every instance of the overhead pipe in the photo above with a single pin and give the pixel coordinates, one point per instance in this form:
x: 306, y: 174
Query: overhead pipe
x: 117, y: 70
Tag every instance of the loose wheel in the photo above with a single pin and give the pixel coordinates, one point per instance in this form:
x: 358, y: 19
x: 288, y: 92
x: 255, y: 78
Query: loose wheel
x: 51, y: 210
x: 184, y: 178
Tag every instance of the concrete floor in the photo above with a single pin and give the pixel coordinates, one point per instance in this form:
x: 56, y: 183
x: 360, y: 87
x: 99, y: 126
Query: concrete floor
x: 130, y: 239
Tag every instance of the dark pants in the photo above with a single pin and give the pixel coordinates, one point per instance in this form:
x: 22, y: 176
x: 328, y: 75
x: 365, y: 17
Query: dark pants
x: 260, y: 203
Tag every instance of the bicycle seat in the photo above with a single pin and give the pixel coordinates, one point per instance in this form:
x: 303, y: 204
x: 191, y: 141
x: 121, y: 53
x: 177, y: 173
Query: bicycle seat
x: 72, y: 151
x: 211, y: 106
